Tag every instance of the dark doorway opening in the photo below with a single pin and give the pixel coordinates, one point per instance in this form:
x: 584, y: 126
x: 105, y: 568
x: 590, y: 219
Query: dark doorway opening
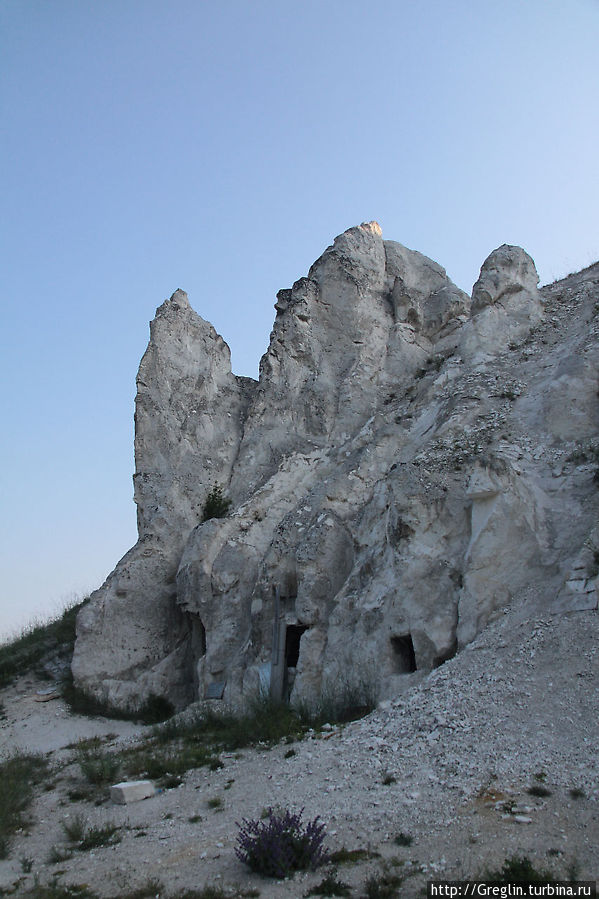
x: 403, y: 656
x: 198, y: 637
x: 196, y: 650
x: 293, y: 636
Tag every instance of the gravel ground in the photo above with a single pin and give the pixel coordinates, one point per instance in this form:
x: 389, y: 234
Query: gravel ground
x: 449, y: 763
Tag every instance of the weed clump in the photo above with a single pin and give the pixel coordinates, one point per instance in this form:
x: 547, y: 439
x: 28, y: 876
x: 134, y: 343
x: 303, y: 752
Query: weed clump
x: 382, y: 886
x: 85, y: 838
x: 18, y: 776
x: 74, y: 829
x: 281, y: 844
x: 517, y: 869
x: 98, y: 768
x: 330, y: 886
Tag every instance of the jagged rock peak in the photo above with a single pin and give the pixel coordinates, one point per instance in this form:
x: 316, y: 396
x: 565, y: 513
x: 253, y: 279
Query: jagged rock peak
x: 180, y: 297
x: 506, y: 304
x: 373, y: 227
x: 177, y: 301
x: 506, y: 270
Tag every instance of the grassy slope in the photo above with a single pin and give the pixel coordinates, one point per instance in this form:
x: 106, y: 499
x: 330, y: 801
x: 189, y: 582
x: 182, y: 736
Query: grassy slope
x: 38, y: 643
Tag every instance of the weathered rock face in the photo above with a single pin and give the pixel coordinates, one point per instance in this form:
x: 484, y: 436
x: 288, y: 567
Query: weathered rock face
x: 505, y: 304
x: 133, y: 639
x: 409, y: 462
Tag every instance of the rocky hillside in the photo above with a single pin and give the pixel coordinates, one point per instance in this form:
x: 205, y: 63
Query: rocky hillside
x: 410, y: 462
x: 492, y: 756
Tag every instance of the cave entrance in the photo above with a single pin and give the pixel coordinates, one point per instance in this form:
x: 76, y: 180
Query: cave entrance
x: 403, y: 657
x: 293, y: 635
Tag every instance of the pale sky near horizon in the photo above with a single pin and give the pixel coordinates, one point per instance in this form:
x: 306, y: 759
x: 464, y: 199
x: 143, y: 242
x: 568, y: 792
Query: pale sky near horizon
x: 219, y: 147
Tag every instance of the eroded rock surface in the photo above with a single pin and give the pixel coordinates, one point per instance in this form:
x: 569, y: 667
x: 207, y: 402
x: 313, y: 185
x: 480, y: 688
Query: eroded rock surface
x: 409, y: 462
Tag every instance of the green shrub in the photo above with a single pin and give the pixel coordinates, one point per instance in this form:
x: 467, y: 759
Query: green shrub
x: 98, y: 768
x: 74, y: 828
x: 382, y: 886
x: 99, y: 836
x: 519, y: 868
x: 85, y: 838
x: 403, y: 839
x: 330, y: 886
x: 217, y: 504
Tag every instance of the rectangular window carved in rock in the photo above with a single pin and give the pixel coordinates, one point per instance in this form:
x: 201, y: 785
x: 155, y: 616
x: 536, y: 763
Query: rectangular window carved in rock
x: 293, y: 636
x: 403, y: 657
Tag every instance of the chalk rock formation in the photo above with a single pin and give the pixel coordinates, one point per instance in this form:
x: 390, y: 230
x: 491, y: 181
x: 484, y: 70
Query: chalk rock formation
x: 409, y: 462
x: 505, y: 304
x: 189, y: 412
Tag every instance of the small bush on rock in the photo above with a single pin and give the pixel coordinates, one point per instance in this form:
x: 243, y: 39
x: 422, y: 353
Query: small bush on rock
x: 281, y: 844
x: 216, y: 505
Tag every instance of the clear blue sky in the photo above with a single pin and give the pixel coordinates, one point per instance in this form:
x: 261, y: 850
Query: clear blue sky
x: 220, y: 147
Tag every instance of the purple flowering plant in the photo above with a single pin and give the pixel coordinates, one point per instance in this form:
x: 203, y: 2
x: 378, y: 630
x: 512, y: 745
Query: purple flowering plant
x: 281, y: 844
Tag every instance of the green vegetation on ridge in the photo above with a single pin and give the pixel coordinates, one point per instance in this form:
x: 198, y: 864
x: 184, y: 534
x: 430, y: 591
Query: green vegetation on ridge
x: 37, y: 643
